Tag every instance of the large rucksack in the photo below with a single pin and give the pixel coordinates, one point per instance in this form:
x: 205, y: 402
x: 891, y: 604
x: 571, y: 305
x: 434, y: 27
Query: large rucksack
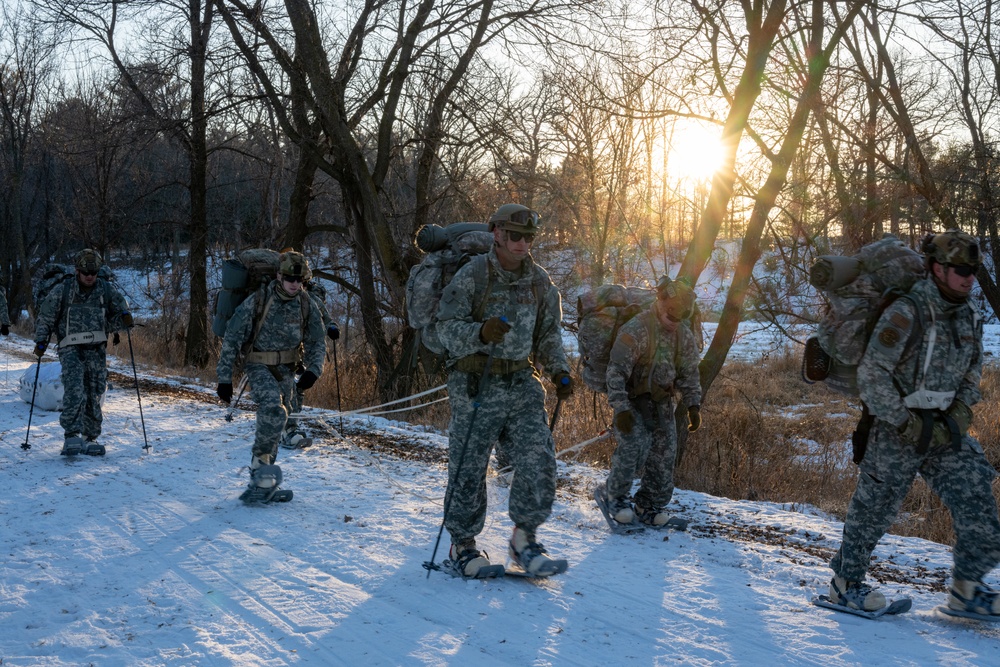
x: 60, y: 275
x: 601, y: 313
x: 448, y: 249
x: 859, y: 289
x: 243, y: 275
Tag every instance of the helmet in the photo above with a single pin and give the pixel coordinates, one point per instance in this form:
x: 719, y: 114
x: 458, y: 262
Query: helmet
x: 953, y: 247
x: 677, y: 297
x: 88, y: 261
x: 516, y: 218
x: 293, y: 263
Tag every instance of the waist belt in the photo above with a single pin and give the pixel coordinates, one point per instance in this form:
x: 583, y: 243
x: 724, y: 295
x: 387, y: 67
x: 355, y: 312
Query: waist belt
x: 275, y: 358
x: 925, y: 399
x: 84, y: 338
x: 476, y: 363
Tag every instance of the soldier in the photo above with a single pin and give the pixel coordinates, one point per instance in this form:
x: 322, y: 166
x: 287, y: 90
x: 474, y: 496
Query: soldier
x: 294, y: 437
x: 920, y: 378
x: 273, y: 329
x: 653, y: 357
x: 81, y: 311
x: 500, y: 309
x: 4, y: 315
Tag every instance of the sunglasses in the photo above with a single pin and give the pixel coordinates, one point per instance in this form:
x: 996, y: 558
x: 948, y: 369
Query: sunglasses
x: 964, y: 270
x: 89, y: 274
x: 517, y: 236
x: 673, y: 318
x: 291, y: 279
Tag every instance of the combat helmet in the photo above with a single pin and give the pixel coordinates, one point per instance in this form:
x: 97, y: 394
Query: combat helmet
x: 952, y: 248
x: 676, y: 296
x: 294, y: 264
x: 516, y: 218
x: 88, y: 260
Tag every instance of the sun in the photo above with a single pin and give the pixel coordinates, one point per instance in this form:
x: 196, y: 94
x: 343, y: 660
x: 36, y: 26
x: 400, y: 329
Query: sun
x: 693, y: 150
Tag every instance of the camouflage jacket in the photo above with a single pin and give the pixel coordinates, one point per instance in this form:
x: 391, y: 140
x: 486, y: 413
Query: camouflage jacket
x: 535, y: 329
x: 4, y: 316
x: 317, y: 294
x: 893, y: 364
x: 672, y: 366
x: 71, y: 309
x: 281, y: 329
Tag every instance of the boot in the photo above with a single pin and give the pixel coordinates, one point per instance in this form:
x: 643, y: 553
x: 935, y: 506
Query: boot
x: 652, y: 516
x: 93, y: 448
x: 72, y: 446
x: 531, y: 555
x: 621, y: 510
x: 262, y: 474
x: 855, y: 594
x: 467, y: 558
x: 974, y: 597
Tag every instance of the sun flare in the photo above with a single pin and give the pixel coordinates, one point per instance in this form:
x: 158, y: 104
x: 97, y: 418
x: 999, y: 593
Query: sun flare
x: 694, y: 151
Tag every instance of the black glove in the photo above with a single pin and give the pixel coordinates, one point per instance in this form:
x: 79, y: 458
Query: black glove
x: 225, y: 391
x: 127, y: 321
x: 307, y: 380
x: 333, y: 331
x: 40, y: 349
x: 564, y: 385
x: 625, y: 421
x: 115, y: 339
x: 4, y: 330
x: 694, y: 418
x: 493, y: 330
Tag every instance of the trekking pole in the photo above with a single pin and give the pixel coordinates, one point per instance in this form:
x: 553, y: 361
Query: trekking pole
x: 483, y: 381
x: 239, y: 395
x: 38, y: 367
x: 135, y: 375
x: 336, y: 375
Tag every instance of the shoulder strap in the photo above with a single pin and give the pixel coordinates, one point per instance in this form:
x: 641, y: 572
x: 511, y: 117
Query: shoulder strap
x: 262, y: 305
x: 482, y: 274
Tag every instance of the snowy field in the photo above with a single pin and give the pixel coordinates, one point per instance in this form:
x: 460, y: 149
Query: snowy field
x: 150, y: 559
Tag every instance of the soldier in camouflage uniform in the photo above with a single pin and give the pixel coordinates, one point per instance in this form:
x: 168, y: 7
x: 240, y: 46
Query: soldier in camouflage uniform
x: 273, y: 329
x: 500, y: 309
x: 4, y: 315
x: 653, y: 357
x: 81, y: 311
x: 293, y: 437
x: 920, y: 378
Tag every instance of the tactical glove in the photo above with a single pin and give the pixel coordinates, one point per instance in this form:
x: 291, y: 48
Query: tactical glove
x: 564, y: 385
x: 127, y: 320
x: 911, y: 429
x: 625, y: 421
x: 40, y: 349
x: 940, y: 433
x: 493, y: 330
x: 115, y: 339
x: 307, y: 380
x: 333, y: 331
x: 225, y: 391
x: 4, y: 330
x: 694, y: 418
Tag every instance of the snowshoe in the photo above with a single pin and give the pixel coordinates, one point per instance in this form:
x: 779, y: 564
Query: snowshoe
x: 263, y: 487
x: 528, y: 558
x: 296, y: 440
x: 892, y: 608
x: 72, y: 446
x: 93, y: 448
x: 973, y: 599
x: 601, y: 498
x: 659, y: 520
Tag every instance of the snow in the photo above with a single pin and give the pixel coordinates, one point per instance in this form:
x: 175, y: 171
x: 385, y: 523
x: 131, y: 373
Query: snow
x: 150, y: 559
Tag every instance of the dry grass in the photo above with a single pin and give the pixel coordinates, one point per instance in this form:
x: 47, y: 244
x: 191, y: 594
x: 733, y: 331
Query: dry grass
x: 766, y: 435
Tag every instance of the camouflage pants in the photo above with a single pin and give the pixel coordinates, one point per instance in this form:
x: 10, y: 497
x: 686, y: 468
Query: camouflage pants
x: 84, y: 379
x: 298, y: 400
x: 962, y: 479
x: 271, y: 388
x: 512, y: 415
x: 652, y: 446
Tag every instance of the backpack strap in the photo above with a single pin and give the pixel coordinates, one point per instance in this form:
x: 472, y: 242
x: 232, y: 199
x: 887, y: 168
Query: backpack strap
x: 482, y: 275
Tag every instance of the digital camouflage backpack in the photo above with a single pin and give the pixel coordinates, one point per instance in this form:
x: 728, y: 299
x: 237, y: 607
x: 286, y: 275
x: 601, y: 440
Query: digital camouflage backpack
x: 601, y: 313
x: 448, y: 249
x: 859, y: 288
x: 243, y: 275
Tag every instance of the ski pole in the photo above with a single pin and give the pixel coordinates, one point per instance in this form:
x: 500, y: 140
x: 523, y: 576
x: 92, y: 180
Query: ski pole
x: 135, y: 375
x: 38, y: 367
x: 239, y: 395
x: 336, y: 375
x: 483, y: 381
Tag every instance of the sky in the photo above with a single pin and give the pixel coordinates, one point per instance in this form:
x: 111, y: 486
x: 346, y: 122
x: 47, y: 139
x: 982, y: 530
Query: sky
x: 150, y: 559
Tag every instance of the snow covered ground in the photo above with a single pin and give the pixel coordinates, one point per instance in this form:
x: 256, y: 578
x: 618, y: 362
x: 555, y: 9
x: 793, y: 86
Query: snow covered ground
x: 150, y: 559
